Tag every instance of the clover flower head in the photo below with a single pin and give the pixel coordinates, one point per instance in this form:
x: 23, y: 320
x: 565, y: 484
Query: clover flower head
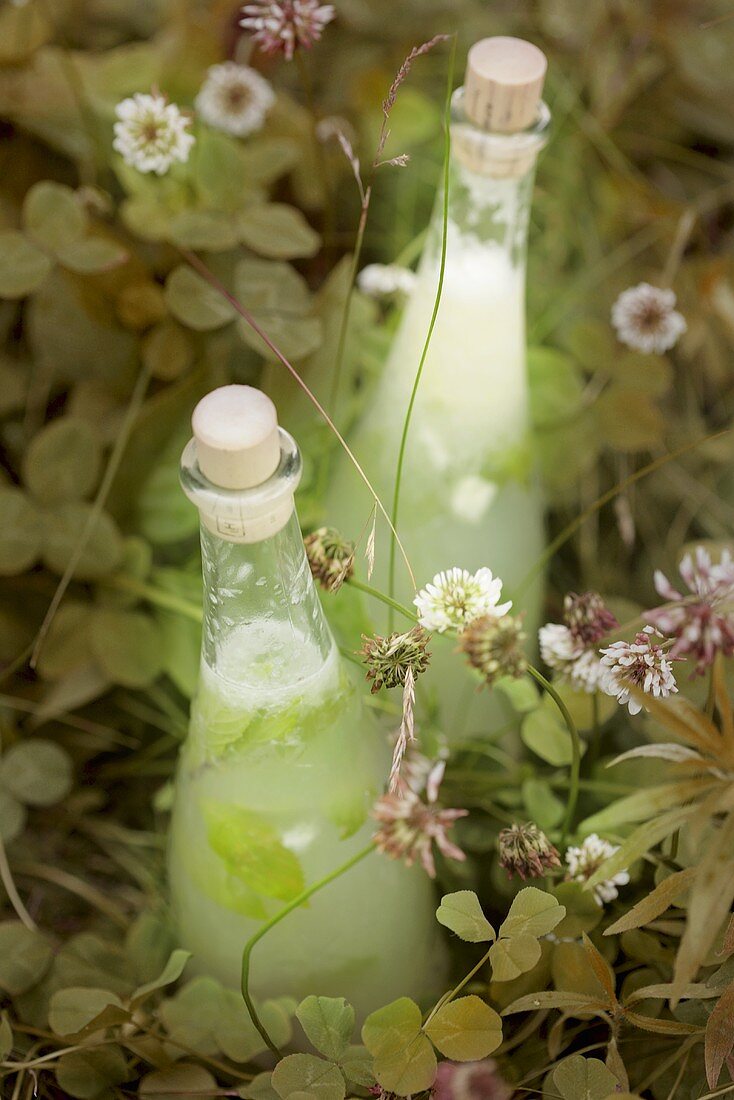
x: 409, y: 824
x: 234, y: 98
x: 330, y: 558
x: 569, y: 648
x: 526, y: 851
x: 470, y: 1081
x: 641, y: 663
x: 456, y: 597
x: 494, y: 647
x: 701, y: 622
x: 646, y: 319
x: 151, y: 134
x: 386, y: 281
x: 388, y: 659
x: 282, y: 26
x: 584, y: 860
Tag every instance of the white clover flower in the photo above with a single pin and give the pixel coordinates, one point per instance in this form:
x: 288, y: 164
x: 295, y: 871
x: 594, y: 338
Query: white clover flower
x: 582, y: 862
x: 570, y: 648
x: 386, y: 280
x: 234, y: 98
x: 646, y: 319
x: 641, y: 663
x: 456, y: 597
x: 151, y: 133
x: 282, y: 25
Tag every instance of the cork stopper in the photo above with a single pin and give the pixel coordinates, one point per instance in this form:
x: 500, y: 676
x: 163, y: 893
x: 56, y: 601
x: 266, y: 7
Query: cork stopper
x: 503, y: 84
x: 237, y: 437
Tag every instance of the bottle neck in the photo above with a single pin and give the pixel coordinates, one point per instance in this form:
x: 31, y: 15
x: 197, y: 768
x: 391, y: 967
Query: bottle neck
x: 490, y: 192
x: 261, y: 608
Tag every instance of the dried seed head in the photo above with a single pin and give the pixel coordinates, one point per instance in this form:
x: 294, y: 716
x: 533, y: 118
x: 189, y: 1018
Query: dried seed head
x: 389, y: 659
x: 526, y: 851
x: 495, y: 647
x: 330, y: 557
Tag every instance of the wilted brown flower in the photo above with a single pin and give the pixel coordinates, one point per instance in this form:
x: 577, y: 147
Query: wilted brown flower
x: 330, y: 557
x: 526, y: 851
x: 495, y: 647
x: 409, y: 826
x: 388, y: 659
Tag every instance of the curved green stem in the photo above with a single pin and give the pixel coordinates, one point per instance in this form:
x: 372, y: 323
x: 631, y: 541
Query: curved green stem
x: 573, y: 790
x: 375, y: 592
x: 432, y: 325
x: 457, y: 989
x: 265, y: 928
x: 158, y: 597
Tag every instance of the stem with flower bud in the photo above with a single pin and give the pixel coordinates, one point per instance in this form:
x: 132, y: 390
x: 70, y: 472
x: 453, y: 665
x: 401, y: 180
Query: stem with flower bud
x: 299, y: 900
x: 573, y: 791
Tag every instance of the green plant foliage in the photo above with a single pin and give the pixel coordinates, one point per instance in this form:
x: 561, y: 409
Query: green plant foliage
x: 465, y: 1030
x: 302, y: 1075
x: 404, y: 1058
x: 462, y: 913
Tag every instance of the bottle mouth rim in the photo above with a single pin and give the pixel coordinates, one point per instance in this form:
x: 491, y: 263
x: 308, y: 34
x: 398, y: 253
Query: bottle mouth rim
x: 491, y: 152
x: 535, y: 132
x: 242, y: 514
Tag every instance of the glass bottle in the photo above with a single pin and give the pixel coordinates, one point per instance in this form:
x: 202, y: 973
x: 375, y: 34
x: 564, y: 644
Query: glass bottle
x: 281, y: 764
x: 468, y: 496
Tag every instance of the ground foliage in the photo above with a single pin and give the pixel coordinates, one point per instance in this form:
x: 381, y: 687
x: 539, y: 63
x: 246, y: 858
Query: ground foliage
x: 107, y: 339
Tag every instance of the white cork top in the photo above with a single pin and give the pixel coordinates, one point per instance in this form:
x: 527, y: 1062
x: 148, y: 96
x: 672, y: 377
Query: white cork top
x: 237, y: 438
x: 504, y: 83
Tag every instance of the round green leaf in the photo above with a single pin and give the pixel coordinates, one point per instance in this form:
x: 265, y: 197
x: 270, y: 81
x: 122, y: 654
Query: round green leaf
x: 37, y: 772
x: 87, y: 1074
x: 127, y: 645
x: 253, y: 851
x: 511, y: 958
x: 92, y: 255
x: 25, y: 956
x: 208, y: 230
x: 6, y: 1037
x: 533, y: 913
x: 12, y: 816
x: 404, y: 1058
x: 466, y: 1029
x: 195, y: 303
x: 62, y: 462
x: 21, y: 532
x: 66, y: 646
x: 328, y: 1023
x: 52, y: 215
x: 180, y: 1080
x: 168, y: 351
x: 306, y: 1075
x: 462, y: 913
x: 579, y: 1078
x: 73, y: 1009
x: 546, y: 735
x: 103, y: 549
x: 23, y: 266
x: 542, y: 805
x: 277, y: 230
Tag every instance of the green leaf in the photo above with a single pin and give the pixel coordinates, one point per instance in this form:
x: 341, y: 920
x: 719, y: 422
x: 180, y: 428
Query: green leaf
x: 545, y: 734
x: 148, y: 944
x: 264, y: 287
x: 578, y: 1078
x: 192, y: 1016
x: 180, y: 1080
x: 12, y: 817
x: 304, y: 1074
x: 466, y: 1029
x: 74, y: 1009
x: 23, y: 266
x: 63, y: 461
x: 66, y: 646
x: 655, y: 903
x: 104, y: 548
x: 87, y: 1074
x: 328, y: 1023
x: 92, y: 255
x: 6, y: 1037
x: 582, y: 912
x: 253, y: 851
x: 127, y: 645
x: 462, y: 914
x: 541, y: 803
x: 510, y: 958
x: 168, y: 353
x: 628, y: 420
x: 259, y: 1088
x: 21, y: 532
x: 25, y: 956
x: 404, y: 1058
x: 208, y: 230
x: 719, y: 1036
x: 37, y: 772
x: 356, y: 1065
x: 552, y: 998
x: 556, y: 386
x: 277, y: 231
x: 195, y: 303
x: 533, y: 913
x: 171, y: 972
x: 52, y: 215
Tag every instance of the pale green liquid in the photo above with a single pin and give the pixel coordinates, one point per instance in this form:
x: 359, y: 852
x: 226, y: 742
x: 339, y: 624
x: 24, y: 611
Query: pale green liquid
x: 279, y: 733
